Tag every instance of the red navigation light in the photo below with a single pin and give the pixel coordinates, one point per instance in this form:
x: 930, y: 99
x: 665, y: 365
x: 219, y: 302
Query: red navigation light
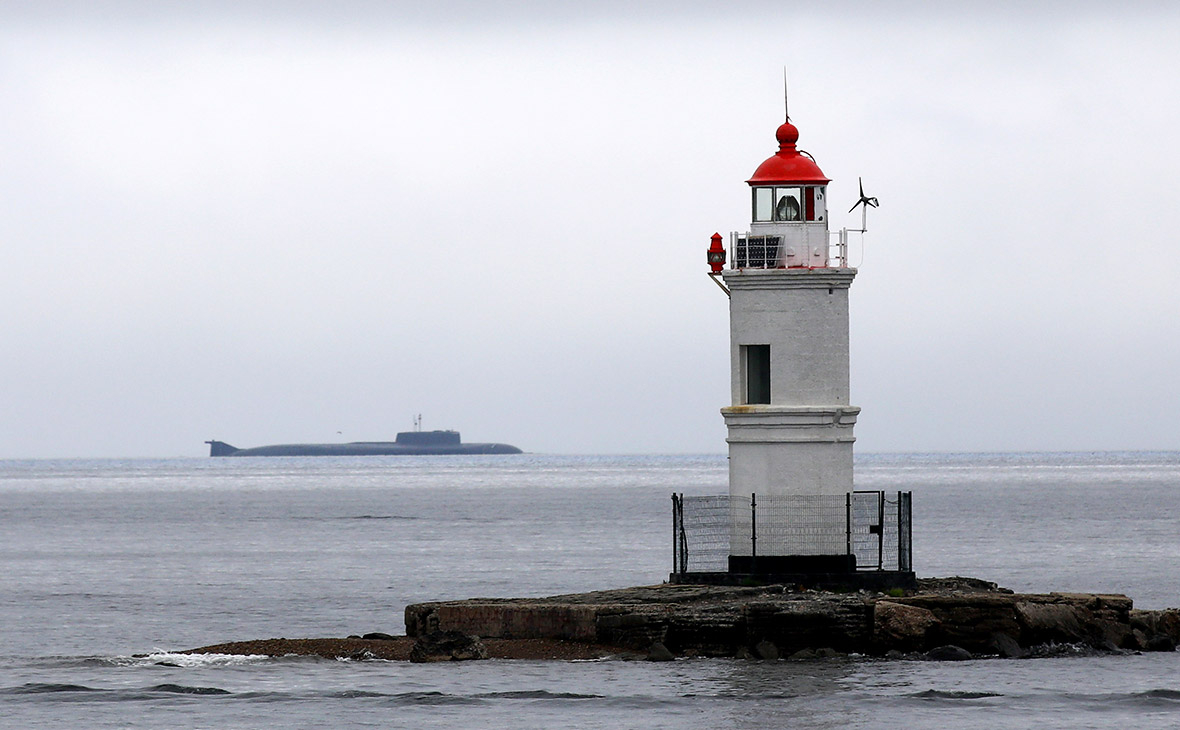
x: 716, y: 254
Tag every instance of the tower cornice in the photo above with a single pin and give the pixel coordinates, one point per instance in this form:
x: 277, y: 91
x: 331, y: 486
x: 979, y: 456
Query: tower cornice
x: 838, y: 415
x: 819, y: 278
x: 765, y: 424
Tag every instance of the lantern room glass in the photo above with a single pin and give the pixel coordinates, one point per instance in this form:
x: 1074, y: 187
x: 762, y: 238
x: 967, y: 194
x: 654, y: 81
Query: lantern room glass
x: 763, y: 204
x: 789, y: 204
x: 817, y: 208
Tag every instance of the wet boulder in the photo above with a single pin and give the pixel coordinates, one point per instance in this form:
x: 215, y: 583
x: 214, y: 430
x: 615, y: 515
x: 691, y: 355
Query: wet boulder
x: 902, y: 627
x: 447, y: 646
x: 949, y: 653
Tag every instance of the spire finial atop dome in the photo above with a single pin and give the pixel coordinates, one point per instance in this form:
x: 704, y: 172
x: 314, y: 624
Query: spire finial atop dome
x: 788, y: 165
x: 787, y: 135
x: 786, y: 101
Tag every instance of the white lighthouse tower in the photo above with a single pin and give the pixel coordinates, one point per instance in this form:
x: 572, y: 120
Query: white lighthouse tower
x: 790, y: 423
x: 792, y: 514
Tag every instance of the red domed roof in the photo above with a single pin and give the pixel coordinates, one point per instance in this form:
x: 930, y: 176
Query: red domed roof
x: 788, y: 165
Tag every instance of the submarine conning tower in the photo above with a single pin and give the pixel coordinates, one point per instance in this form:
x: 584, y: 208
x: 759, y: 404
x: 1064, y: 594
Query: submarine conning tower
x: 429, y: 438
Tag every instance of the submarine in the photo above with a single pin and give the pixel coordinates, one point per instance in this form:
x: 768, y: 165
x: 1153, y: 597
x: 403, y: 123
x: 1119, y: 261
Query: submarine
x: 408, y: 443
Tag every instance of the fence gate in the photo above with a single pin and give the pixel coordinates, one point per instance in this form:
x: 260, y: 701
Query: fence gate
x: 866, y: 518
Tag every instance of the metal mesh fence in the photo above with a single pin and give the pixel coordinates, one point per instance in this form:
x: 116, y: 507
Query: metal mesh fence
x: 865, y: 530
x: 701, y: 528
x: 799, y: 525
x: 873, y: 526
x: 890, y: 530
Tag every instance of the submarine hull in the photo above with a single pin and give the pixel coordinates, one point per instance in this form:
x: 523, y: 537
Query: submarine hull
x: 411, y: 443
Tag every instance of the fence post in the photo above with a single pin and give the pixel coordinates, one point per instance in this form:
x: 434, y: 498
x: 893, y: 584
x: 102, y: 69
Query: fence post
x: 909, y: 533
x: 909, y: 530
x: 880, y: 529
x: 683, y: 539
x: 848, y: 523
x: 753, y: 532
x: 675, y: 535
x: 900, y: 533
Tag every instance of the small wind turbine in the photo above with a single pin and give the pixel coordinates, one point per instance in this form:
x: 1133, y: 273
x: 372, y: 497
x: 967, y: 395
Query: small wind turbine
x: 864, y: 204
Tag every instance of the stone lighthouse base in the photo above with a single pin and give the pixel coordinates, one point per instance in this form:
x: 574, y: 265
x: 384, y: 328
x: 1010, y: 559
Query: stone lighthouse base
x: 869, y: 580
x: 785, y: 564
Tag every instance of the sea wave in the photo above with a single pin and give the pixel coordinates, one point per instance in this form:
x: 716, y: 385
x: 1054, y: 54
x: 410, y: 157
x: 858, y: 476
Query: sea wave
x: 938, y: 694
x: 174, y: 659
x: 51, y: 688
x: 184, y: 689
x: 33, y: 688
x: 432, y: 698
x: 1152, y: 698
x: 538, y: 694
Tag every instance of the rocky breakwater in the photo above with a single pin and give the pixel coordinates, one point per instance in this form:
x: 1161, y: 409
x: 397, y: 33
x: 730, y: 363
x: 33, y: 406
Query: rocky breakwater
x: 945, y: 618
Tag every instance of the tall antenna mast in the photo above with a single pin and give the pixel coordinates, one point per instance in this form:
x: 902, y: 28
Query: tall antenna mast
x: 786, y: 106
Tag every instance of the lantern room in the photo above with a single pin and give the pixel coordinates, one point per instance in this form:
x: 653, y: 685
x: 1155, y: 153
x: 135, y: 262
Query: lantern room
x: 789, y: 211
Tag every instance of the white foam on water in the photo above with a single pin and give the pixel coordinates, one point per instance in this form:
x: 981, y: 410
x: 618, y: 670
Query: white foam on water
x: 189, y: 660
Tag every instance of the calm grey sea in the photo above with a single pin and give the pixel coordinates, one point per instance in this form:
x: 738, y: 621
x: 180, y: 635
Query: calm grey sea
x: 101, y: 560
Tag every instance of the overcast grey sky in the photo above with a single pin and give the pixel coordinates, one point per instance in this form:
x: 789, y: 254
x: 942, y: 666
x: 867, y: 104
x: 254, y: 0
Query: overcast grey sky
x: 277, y: 221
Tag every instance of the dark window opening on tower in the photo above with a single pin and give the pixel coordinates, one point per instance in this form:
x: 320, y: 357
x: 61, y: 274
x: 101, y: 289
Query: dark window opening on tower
x: 757, y: 362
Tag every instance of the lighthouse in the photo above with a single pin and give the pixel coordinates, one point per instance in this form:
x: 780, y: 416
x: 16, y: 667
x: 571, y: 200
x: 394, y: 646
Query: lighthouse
x: 790, y: 423
x: 792, y: 511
